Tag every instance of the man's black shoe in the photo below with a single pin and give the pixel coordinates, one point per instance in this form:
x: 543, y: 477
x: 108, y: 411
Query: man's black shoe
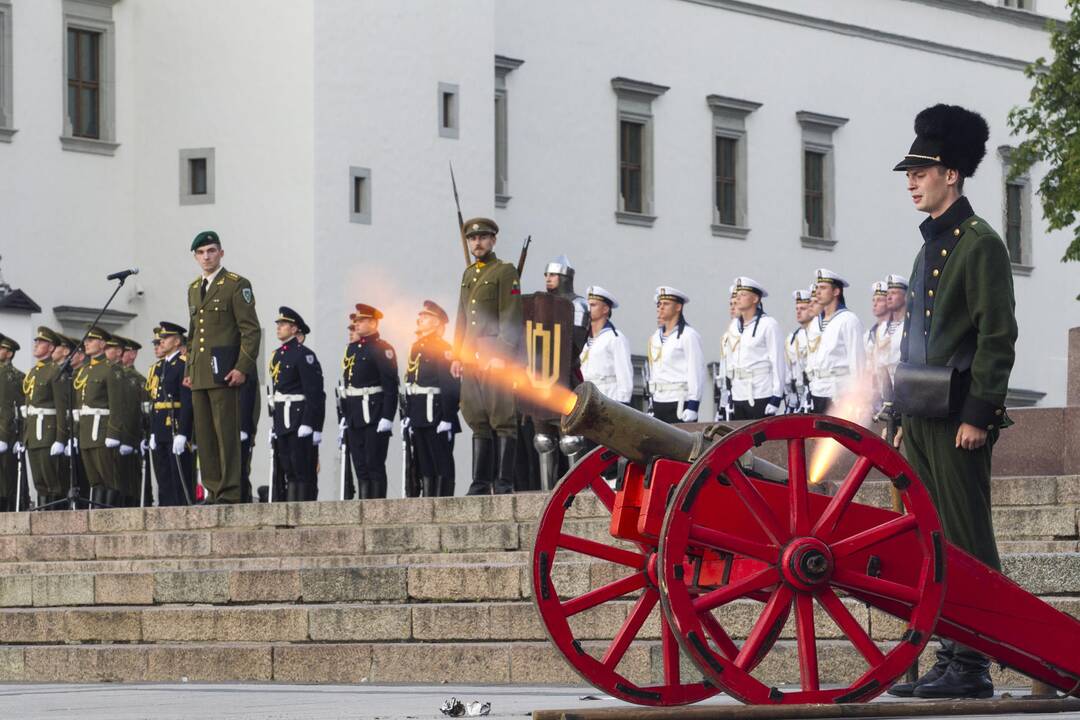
x: 959, y: 681
x: 944, y: 659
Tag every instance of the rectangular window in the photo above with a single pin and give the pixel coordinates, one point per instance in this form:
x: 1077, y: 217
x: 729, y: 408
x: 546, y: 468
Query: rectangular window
x: 197, y: 185
x: 1019, y: 4
x: 360, y: 195
x: 814, y: 194
x: 197, y: 170
x: 503, y: 67
x: 359, y: 202
x: 1014, y: 221
x: 630, y: 168
x: 448, y: 110
x: 83, y: 82
x: 7, y: 112
x: 725, y: 180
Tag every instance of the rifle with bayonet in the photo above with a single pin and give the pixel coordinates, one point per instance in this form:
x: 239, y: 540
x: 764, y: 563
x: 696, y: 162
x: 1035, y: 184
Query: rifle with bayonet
x: 460, y: 219
x: 524, y: 254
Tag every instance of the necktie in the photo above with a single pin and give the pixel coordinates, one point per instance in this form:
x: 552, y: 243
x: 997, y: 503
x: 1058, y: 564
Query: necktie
x: 202, y: 289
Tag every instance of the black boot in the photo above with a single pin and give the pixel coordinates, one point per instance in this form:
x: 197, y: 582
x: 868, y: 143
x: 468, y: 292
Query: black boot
x: 97, y: 495
x: 430, y: 486
x: 445, y: 486
x: 968, y: 676
x: 294, y: 491
x: 506, y: 448
x: 483, y: 462
x: 944, y: 659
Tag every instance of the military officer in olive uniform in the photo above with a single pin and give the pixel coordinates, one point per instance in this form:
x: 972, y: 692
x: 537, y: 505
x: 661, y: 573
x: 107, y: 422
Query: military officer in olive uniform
x: 43, y: 432
x: 487, y: 339
x: 11, y: 400
x: 136, y: 422
x: 299, y: 406
x: 224, y: 336
x: 431, y: 398
x: 961, y: 319
x: 371, y: 391
x: 171, y: 419
x: 99, y: 397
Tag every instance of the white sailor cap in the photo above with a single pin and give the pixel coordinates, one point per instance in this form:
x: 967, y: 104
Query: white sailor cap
x: 595, y: 291
x: 666, y: 292
x: 802, y: 296
x: 880, y: 288
x: 897, y: 281
x: 826, y: 275
x: 745, y: 283
x: 731, y: 290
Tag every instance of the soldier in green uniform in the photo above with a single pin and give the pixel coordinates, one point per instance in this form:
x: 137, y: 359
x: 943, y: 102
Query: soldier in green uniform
x: 126, y: 462
x: 138, y: 424
x: 99, y: 400
x: 11, y: 400
x: 46, y: 404
x: 224, y: 337
x: 958, y: 343
x: 487, y: 339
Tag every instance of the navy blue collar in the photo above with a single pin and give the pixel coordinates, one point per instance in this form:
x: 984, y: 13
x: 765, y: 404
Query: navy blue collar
x: 948, y: 221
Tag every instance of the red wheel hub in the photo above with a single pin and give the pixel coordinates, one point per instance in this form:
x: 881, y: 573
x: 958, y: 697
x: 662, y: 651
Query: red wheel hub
x: 806, y: 564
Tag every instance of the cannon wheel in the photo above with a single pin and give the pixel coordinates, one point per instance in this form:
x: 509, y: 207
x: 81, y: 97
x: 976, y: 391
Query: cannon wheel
x: 556, y: 612
x: 812, y: 545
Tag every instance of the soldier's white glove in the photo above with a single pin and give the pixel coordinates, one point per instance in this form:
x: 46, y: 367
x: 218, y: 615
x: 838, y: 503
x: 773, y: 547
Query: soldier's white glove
x: 688, y: 415
x: 178, y: 443
x: 72, y: 444
x: 126, y: 449
x: 3, y: 447
x: 153, y: 442
x: 316, y: 437
x: 244, y: 436
x: 405, y: 423
x: 444, y: 427
x: 273, y: 437
x: 18, y: 448
x: 385, y: 426
x: 341, y: 430
x: 770, y: 410
x: 112, y: 443
x: 144, y: 446
x: 57, y: 448
x: 304, y: 431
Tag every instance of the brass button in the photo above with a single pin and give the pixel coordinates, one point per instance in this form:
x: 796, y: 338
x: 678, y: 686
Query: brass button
x: 956, y: 232
x: 989, y: 427
x: 201, y: 312
x: 944, y: 252
x: 935, y: 274
x: 474, y: 300
x: 998, y: 411
x: 927, y: 313
x: 473, y: 322
x: 905, y: 333
x: 930, y: 293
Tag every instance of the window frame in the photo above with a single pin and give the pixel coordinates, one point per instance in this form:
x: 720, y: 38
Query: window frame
x: 187, y: 155
x: 634, y: 100
x: 7, y: 95
x: 363, y: 217
x: 729, y: 123
x: 1026, y: 264
x: 503, y: 67
x: 449, y: 122
x: 818, y: 132
x: 92, y: 16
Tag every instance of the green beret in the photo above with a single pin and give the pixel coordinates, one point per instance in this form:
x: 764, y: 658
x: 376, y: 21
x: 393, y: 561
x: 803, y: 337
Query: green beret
x: 47, y: 335
x: 206, y: 237
x: 480, y: 226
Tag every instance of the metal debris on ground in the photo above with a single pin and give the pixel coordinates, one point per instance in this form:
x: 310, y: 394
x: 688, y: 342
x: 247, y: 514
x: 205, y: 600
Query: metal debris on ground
x: 455, y: 708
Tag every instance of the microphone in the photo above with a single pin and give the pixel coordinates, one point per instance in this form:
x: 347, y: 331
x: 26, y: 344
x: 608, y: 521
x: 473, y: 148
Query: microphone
x: 123, y: 274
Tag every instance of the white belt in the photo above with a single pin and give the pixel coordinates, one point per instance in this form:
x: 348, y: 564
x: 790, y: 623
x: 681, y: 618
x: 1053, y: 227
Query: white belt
x: 655, y: 387
x: 288, y: 400
x: 603, y: 379
x: 821, y: 374
x: 365, y: 393
x: 431, y: 392
x: 98, y: 413
x: 40, y: 413
x: 740, y: 374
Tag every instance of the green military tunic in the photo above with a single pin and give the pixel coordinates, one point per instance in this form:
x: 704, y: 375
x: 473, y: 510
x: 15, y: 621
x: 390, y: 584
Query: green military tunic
x: 99, y: 400
x: 11, y: 400
x: 224, y: 319
x: 46, y: 407
x: 130, y: 466
x: 961, y: 302
x: 489, y: 324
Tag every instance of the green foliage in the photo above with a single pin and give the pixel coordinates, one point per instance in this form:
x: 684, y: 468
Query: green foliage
x: 1050, y: 126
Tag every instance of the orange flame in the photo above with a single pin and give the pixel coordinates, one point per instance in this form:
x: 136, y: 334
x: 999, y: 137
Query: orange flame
x: 854, y: 405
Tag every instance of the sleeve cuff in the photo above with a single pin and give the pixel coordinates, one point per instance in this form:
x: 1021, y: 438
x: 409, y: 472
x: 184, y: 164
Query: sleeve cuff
x: 982, y: 414
x: 692, y: 405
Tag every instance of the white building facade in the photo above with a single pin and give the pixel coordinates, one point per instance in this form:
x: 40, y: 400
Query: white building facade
x: 654, y: 142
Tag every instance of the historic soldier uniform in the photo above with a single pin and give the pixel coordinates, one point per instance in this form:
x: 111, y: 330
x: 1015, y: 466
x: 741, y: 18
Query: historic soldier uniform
x: 431, y: 399
x: 796, y: 350
x: 489, y: 326
x: 11, y: 402
x: 171, y: 422
x: 44, y: 432
x: 135, y: 421
x: 605, y: 359
x: 299, y: 408
x: 961, y: 316
x: 676, y: 366
x: 758, y: 366
x: 224, y: 336
x: 371, y: 390
x: 99, y: 395
x: 837, y: 354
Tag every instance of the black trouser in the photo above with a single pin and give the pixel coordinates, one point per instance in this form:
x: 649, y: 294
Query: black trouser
x: 666, y: 411
x: 435, y: 453
x: 744, y: 411
x: 368, y: 449
x: 820, y: 405
x: 170, y: 475
x: 247, y: 449
x: 297, y: 457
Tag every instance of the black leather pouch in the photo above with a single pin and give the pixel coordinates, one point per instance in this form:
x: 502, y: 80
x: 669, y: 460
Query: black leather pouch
x: 928, y: 391
x: 222, y: 361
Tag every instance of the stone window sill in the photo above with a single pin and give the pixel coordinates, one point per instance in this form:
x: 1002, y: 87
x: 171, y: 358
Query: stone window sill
x: 639, y: 219
x: 730, y: 231
x: 88, y: 145
x: 817, y: 243
x: 6, y: 134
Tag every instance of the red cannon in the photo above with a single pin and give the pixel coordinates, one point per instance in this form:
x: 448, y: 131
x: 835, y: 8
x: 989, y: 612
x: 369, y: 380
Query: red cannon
x: 698, y: 521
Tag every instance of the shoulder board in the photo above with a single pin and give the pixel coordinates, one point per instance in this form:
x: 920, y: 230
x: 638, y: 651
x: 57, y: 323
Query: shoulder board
x: 183, y: 357
x: 232, y: 276
x: 195, y: 284
x: 980, y: 227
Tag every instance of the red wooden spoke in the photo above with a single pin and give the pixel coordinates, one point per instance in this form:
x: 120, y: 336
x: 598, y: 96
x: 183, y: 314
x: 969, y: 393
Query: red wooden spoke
x: 857, y: 581
x: 720, y: 540
x: 772, y: 615
x: 722, y: 596
x: 601, y: 551
x: 670, y: 647
x: 874, y: 535
x: 826, y: 524
x: 604, y: 594
x: 756, y: 504
x: 630, y: 628
x: 800, y: 511
x: 850, y: 627
x: 719, y: 636
x: 603, y: 492
x: 807, y: 639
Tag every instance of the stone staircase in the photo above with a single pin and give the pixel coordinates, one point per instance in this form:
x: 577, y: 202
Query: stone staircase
x: 411, y: 591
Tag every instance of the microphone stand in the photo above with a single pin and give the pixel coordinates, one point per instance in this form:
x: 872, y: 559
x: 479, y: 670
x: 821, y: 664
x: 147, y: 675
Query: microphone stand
x: 74, y: 500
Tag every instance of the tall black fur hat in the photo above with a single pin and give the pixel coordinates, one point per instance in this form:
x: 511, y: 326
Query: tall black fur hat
x: 948, y: 135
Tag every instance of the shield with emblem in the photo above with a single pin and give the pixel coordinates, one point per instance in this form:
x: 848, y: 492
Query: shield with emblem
x: 549, y: 340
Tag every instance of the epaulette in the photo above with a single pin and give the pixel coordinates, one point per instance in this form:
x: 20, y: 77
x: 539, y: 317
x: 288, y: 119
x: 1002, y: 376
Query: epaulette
x: 232, y: 275
x: 183, y: 357
x: 196, y: 283
x: 981, y: 227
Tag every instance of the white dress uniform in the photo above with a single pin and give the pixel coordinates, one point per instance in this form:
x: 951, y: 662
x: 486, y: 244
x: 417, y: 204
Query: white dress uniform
x: 758, y: 366
x: 796, y: 348
x: 837, y: 357
x: 605, y: 359
x: 676, y: 366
